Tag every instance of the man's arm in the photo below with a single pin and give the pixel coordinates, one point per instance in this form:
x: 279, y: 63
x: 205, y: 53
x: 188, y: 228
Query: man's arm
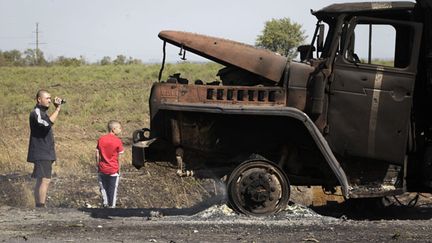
x: 57, y: 104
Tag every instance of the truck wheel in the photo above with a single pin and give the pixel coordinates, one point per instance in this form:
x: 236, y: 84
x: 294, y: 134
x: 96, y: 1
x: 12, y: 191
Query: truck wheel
x: 258, y: 188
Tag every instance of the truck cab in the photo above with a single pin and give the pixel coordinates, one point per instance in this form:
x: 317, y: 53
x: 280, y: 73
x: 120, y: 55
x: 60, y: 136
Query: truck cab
x: 339, y: 117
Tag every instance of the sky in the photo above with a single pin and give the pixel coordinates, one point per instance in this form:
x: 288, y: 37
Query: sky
x: 98, y: 28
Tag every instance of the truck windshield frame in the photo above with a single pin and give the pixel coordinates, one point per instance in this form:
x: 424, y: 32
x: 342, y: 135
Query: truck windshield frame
x: 406, y: 33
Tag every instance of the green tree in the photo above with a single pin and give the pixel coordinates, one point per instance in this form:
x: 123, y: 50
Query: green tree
x: 120, y: 60
x: 281, y: 36
x: 83, y: 60
x: 133, y: 61
x: 34, y: 57
x: 106, y: 60
x: 12, y: 58
x: 3, y: 61
x: 68, y: 61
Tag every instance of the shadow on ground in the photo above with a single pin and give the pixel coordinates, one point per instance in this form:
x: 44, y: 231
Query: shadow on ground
x: 351, y: 209
x: 375, y: 209
x: 149, y: 213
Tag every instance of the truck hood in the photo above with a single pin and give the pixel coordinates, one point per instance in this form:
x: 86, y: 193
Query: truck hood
x: 230, y: 53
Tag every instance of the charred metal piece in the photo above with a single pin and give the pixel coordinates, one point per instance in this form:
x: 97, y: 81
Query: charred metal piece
x: 181, y: 171
x: 259, y: 61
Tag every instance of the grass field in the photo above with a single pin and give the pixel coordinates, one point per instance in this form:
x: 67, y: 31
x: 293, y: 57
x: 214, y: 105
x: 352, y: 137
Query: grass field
x: 94, y: 94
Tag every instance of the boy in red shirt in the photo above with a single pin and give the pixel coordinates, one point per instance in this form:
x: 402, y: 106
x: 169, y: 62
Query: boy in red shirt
x: 108, y: 149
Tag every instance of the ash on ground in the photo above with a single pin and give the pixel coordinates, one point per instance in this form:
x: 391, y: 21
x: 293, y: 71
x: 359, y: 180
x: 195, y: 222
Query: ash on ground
x: 223, y: 212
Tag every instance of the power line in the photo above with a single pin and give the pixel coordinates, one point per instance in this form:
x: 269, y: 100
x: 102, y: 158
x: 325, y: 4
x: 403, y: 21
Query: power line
x: 16, y: 37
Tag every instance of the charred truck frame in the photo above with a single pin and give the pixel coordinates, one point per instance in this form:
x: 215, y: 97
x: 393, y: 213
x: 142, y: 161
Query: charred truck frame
x: 332, y: 119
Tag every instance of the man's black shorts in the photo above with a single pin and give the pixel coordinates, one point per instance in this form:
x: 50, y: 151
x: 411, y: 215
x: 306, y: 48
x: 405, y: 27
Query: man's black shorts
x: 42, y: 169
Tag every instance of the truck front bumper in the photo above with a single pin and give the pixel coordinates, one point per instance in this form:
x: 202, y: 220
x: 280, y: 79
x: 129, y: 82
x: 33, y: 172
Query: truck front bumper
x: 140, y: 151
x: 152, y: 150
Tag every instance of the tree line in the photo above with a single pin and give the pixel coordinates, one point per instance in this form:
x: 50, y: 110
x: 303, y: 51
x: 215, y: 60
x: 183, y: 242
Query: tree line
x: 279, y: 35
x: 31, y: 57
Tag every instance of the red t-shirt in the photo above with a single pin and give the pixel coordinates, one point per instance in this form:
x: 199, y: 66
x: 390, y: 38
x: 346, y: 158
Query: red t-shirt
x: 109, y: 146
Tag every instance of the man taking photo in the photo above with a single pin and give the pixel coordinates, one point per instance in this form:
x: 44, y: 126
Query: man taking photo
x: 41, y: 151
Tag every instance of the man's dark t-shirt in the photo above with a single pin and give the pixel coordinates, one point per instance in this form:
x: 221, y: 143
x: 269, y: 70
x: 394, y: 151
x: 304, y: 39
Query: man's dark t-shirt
x: 41, y: 144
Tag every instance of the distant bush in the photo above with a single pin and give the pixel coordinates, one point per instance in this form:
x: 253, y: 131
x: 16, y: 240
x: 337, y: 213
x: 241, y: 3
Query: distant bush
x: 31, y: 57
x: 15, y: 58
x: 105, y: 61
x: 69, y: 62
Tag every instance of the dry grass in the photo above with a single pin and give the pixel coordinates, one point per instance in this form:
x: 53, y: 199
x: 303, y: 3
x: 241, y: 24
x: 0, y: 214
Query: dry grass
x: 95, y: 95
x: 21, y: 191
x: 155, y: 186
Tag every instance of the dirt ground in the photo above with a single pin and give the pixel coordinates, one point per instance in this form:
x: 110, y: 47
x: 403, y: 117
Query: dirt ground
x: 156, y: 206
x: 214, y: 224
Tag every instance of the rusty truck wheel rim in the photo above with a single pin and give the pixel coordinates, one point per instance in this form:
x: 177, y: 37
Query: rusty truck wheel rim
x: 258, y: 188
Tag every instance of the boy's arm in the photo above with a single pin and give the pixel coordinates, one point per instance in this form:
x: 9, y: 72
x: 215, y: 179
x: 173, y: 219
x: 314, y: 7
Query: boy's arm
x: 120, y: 154
x: 120, y: 159
x: 97, y: 156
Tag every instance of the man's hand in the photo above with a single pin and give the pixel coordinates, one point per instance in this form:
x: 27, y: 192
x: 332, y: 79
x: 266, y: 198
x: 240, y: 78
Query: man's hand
x: 57, y: 102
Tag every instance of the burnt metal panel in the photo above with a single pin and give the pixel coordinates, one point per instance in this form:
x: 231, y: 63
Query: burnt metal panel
x: 297, y: 87
x: 222, y: 95
x: 369, y: 112
x: 256, y: 60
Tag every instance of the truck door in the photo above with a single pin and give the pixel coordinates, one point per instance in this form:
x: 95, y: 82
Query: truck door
x: 371, y: 90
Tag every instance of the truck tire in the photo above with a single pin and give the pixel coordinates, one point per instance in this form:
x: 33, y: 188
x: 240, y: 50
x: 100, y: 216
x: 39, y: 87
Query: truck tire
x: 258, y: 187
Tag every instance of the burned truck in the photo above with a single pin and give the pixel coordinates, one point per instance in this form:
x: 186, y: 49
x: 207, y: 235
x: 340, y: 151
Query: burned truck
x: 336, y: 118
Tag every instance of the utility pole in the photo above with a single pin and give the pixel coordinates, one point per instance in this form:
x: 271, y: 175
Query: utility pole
x: 37, y: 43
x: 37, y: 39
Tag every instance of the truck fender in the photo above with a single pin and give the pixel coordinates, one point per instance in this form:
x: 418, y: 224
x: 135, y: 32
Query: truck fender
x: 272, y: 111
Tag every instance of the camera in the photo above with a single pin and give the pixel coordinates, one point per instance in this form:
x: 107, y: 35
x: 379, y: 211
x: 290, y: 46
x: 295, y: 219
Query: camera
x: 59, y: 101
